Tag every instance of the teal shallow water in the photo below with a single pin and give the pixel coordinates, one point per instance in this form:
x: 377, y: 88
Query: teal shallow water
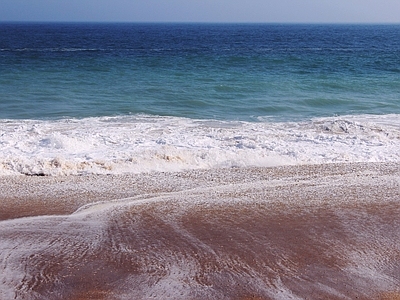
x: 226, y: 72
x: 131, y: 98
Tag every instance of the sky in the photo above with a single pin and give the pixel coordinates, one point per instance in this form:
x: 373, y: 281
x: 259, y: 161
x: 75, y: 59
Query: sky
x: 232, y: 11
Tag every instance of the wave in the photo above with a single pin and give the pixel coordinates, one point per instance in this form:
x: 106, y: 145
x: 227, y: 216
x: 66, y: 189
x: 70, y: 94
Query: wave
x: 141, y: 143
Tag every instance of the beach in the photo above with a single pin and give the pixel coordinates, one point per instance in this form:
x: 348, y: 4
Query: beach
x: 326, y: 231
x: 199, y: 161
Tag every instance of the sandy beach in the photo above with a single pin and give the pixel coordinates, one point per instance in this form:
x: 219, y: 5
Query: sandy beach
x: 296, y: 232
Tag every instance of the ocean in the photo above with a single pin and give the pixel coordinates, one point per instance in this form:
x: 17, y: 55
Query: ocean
x: 131, y: 98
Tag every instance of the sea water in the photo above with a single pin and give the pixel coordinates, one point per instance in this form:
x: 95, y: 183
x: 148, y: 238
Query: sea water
x: 128, y: 98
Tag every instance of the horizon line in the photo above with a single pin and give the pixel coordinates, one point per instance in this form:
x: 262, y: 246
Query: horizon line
x: 204, y: 22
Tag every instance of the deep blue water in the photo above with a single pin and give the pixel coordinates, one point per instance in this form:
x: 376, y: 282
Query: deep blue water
x: 206, y: 71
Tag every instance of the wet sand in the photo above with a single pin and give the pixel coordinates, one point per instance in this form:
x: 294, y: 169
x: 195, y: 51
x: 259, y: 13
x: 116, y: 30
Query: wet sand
x: 299, y: 232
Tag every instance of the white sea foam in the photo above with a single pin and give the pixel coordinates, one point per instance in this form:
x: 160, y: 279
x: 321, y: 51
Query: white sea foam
x: 135, y: 144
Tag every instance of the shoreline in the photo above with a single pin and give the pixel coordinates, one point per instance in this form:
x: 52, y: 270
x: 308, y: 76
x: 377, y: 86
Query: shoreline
x: 22, y: 192
x: 305, y: 232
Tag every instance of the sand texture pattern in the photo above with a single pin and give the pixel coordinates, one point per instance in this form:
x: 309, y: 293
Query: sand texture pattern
x: 298, y: 232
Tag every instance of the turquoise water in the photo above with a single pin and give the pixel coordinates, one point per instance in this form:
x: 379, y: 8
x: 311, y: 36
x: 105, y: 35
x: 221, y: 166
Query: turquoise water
x: 131, y: 98
x: 225, y: 72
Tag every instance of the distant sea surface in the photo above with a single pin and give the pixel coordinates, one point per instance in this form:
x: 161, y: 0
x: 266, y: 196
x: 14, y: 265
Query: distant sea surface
x: 95, y: 98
